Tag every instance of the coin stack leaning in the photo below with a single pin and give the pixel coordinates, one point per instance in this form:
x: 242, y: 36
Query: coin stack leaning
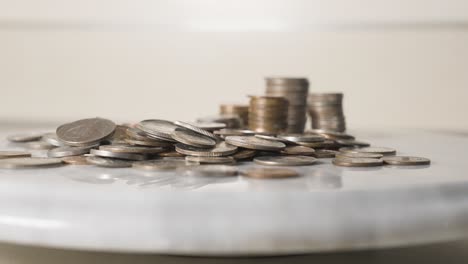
x: 326, y: 111
x: 233, y: 109
x: 268, y: 114
x: 295, y: 91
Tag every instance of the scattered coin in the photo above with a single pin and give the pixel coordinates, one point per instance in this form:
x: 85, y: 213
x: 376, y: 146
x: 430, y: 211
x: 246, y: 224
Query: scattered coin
x: 378, y: 150
x: 210, y: 126
x: 117, y: 155
x: 52, y: 139
x: 28, y: 162
x: 67, y: 151
x: 20, y: 138
x: 192, y: 138
x: 325, y: 153
x: 221, y: 149
x: 270, y: 173
x: 252, y: 142
x: 357, y: 162
x: 244, y: 154
x: 8, y: 154
x: 39, y: 145
x: 211, y: 160
x: 132, y: 149
x: 195, y: 129
x: 159, y: 164
x: 233, y: 132
x: 212, y: 171
x: 273, y: 138
x: 302, y: 138
x: 298, y: 150
x: 352, y: 143
x: 171, y: 154
x: 159, y: 129
x: 109, y: 162
x: 406, y: 160
x: 85, y: 132
x: 285, y: 160
x: 147, y: 143
x: 76, y: 160
x: 359, y: 155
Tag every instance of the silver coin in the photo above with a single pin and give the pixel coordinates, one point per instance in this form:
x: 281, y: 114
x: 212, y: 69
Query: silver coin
x: 148, y: 143
x: 285, y: 160
x: 85, y: 132
x: 210, y: 126
x: 325, y: 153
x: 406, y: 160
x: 67, y: 151
x: 8, y: 154
x: 117, y: 155
x: 191, y: 138
x: 195, y: 129
x: 330, y: 134
x: 352, y: 143
x: 159, y: 129
x: 357, y: 162
x: 273, y: 138
x: 378, y: 150
x: 20, y: 163
x: 221, y: 149
x: 252, y: 142
x: 298, y: 150
x: 39, y: 145
x: 211, y: 160
x: 233, y: 132
x: 303, y: 138
x: 212, y: 171
x: 244, y: 154
x: 109, y: 162
x: 20, y: 138
x: 270, y: 173
x: 132, y: 149
x: 359, y: 155
x: 159, y: 164
x: 52, y: 139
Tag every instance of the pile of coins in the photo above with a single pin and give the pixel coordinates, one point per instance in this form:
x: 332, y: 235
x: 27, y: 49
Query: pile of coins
x: 234, y: 109
x: 208, y: 149
x: 295, y: 90
x: 326, y: 111
x: 268, y: 114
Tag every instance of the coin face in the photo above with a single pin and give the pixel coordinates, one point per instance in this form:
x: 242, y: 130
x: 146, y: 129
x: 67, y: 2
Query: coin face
x: 221, y: 149
x: 20, y: 138
x: 406, y: 160
x: 298, y: 150
x: 212, y: 171
x: 67, y: 151
x: 14, y: 154
x: 376, y: 150
x: 117, y: 155
x: 285, y: 160
x: 159, y: 164
x: 357, y: 162
x: 210, y: 160
x: 76, y: 160
x: 132, y: 149
x: 358, y: 155
x: 109, y: 162
x: 28, y: 162
x: 195, y: 129
x: 252, y: 142
x: 191, y: 138
x: 160, y: 129
x: 270, y: 173
x: 303, y: 138
x: 85, y: 132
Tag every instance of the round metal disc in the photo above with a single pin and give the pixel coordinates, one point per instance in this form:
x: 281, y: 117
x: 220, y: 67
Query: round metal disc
x: 221, y: 149
x: 20, y: 138
x: 406, y: 160
x: 376, y: 150
x: 6, y: 154
x: 211, y: 160
x: 252, y: 142
x: 357, y: 162
x: 67, y: 151
x: 117, y: 155
x: 191, y: 138
x: 132, y: 149
x: 359, y: 155
x: 285, y: 160
x: 270, y: 173
x: 303, y: 138
x: 195, y: 129
x: 160, y: 129
x: 298, y: 150
x: 76, y: 160
x: 85, y: 132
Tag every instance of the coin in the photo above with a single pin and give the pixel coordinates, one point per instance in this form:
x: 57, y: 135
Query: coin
x: 252, y: 142
x: 85, y: 132
x: 270, y: 173
x: 243, y: 154
x: 221, y: 149
x: 268, y: 114
x: 285, y: 160
x: 352, y: 143
x: 7, y: 154
x: 148, y: 143
x: 39, y: 145
x: 298, y: 150
x: 117, y: 155
x: 212, y: 126
x: 195, y: 129
x: 20, y: 138
x: 212, y: 171
x: 302, y: 138
x: 210, y: 160
x: 191, y: 138
x: 76, y: 160
x: 325, y: 153
x: 171, y: 154
x: 358, y: 155
x: 233, y: 132
x: 52, y: 139
x: 330, y: 134
x: 378, y: 150
x: 159, y: 129
x: 357, y: 162
x: 28, y: 162
x: 159, y: 164
x: 109, y: 162
x: 67, y: 151
x: 132, y: 149
x: 406, y: 160
x: 273, y: 138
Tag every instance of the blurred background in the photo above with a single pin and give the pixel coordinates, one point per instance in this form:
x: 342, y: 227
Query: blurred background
x: 399, y: 63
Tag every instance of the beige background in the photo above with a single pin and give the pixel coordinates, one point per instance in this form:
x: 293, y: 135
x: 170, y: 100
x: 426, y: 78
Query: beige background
x: 399, y: 63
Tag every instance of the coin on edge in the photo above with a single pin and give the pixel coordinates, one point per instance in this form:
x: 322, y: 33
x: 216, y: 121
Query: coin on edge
x: 7, y: 154
x: 357, y: 162
x: 28, y: 162
x: 270, y: 173
x: 285, y: 160
x: 252, y: 142
x: 406, y: 160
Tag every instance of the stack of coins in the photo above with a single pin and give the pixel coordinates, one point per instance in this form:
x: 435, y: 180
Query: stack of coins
x: 326, y: 111
x: 233, y: 109
x: 268, y: 114
x: 295, y: 91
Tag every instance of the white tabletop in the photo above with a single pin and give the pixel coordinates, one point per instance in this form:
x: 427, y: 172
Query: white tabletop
x: 329, y: 208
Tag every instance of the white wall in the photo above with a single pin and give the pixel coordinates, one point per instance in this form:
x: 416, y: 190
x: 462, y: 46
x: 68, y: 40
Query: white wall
x: 399, y: 63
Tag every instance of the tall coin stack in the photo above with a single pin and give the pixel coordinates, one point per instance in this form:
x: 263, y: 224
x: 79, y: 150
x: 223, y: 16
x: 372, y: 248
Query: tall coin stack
x: 295, y: 90
x: 268, y: 114
x: 234, y: 109
x: 326, y: 111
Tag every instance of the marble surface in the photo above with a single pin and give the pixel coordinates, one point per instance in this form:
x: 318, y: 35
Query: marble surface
x: 327, y: 209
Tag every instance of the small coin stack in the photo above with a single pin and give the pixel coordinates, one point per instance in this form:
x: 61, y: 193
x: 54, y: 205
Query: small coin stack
x: 234, y: 109
x: 295, y: 91
x: 326, y: 111
x: 268, y: 114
